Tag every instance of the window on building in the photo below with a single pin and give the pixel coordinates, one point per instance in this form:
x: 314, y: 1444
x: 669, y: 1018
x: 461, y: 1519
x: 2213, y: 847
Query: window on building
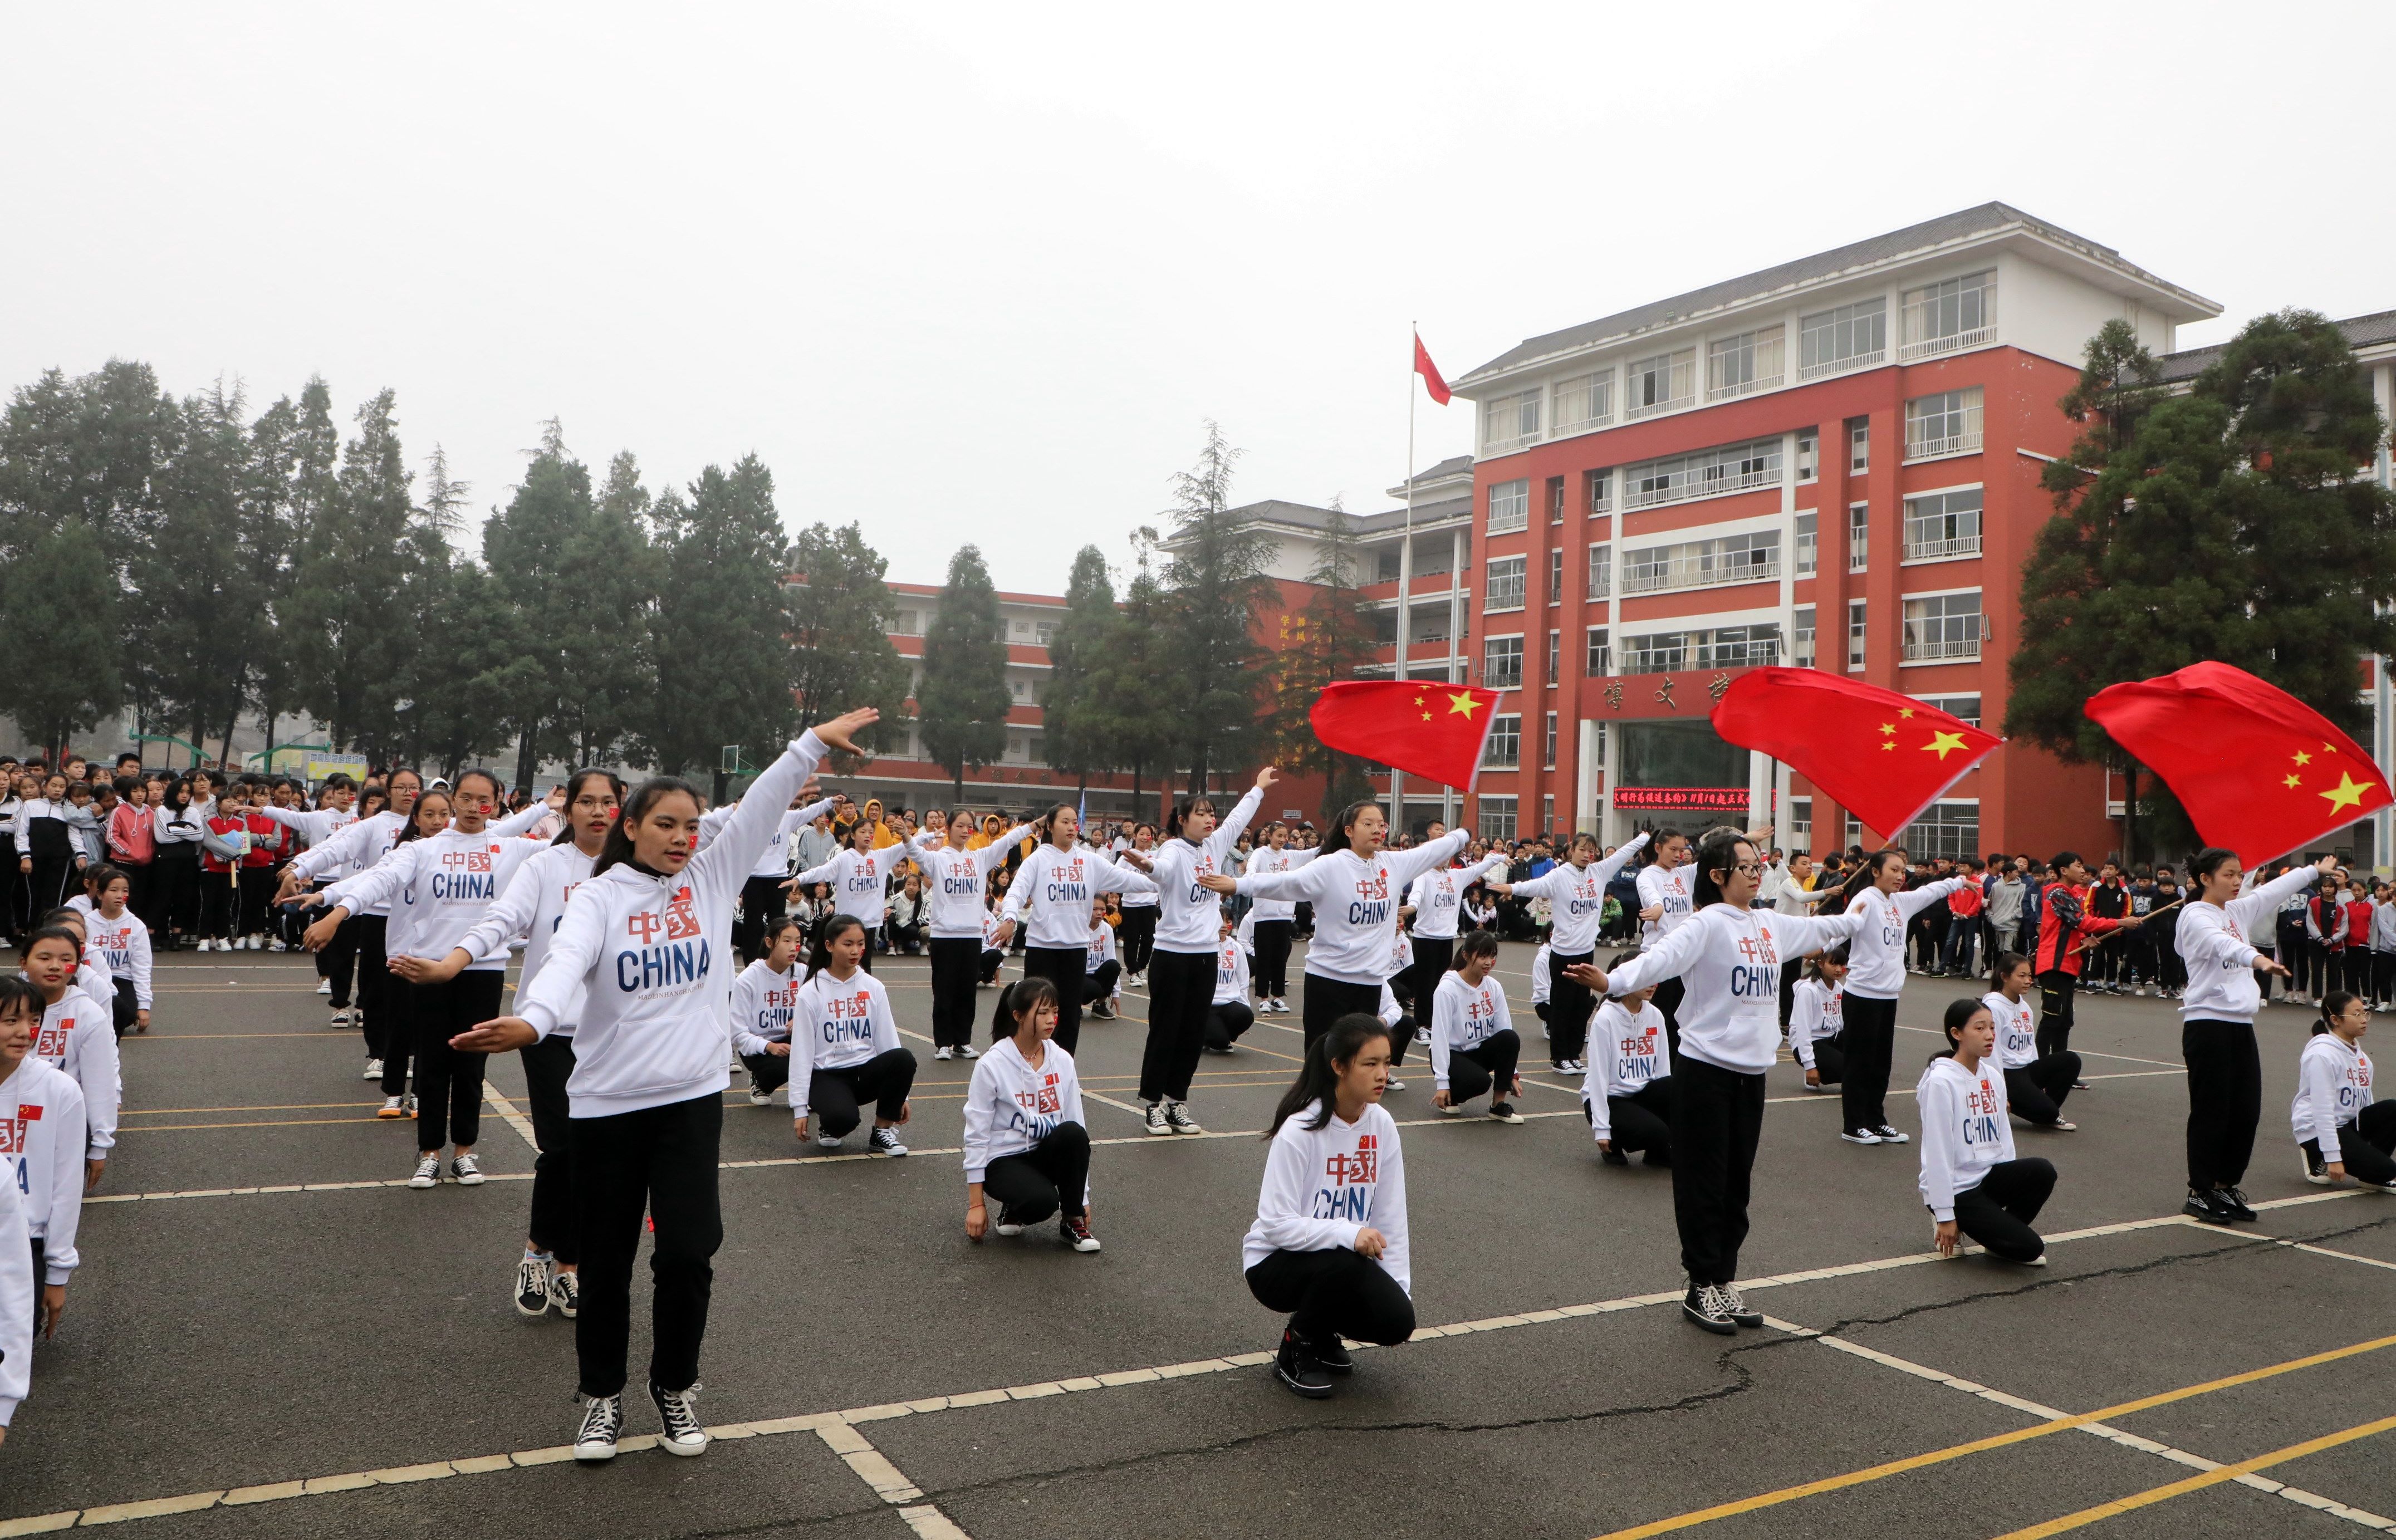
x: 1601, y: 571
x: 1748, y: 558
x: 1660, y: 383
x: 1941, y: 525
x: 1943, y: 628
x: 1661, y: 652
x: 1801, y: 639
x: 1505, y: 589
x: 1035, y: 747
x: 1858, y: 536
x: 1501, y: 662
x: 1045, y: 632
x: 1809, y: 454
x: 1556, y: 655
x: 1555, y: 575
x: 1858, y: 446
x: 1386, y: 565
x: 1509, y: 420
x: 1548, y: 815
x: 1496, y: 818
x: 1599, y: 489
x: 1855, y: 633
x: 1510, y: 506
x: 1735, y: 365
x: 1020, y: 686
x: 910, y: 623
x: 1961, y: 313
x: 1585, y: 401
x: 1596, y: 667
x: 1852, y: 337
x: 1548, y: 756
x: 1945, y: 829
x: 1708, y: 473
x: 1853, y: 835
x: 1385, y: 626
x: 1946, y: 423
x: 1807, y: 556
x: 1718, y: 647
x: 1504, y: 749
x: 1555, y: 499
x: 1963, y: 709
x: 1801, y: 823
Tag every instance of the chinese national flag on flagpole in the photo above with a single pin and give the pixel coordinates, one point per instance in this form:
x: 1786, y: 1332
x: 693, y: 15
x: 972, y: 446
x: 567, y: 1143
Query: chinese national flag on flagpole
x: 1881, y: 756
x: 1416, y: 725
x: 1430, y: 371
x: 2261, y: 772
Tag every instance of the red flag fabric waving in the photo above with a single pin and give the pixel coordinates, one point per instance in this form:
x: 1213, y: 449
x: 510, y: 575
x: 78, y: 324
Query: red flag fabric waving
x: 1415, y: 725
x: 1881, y: 756
x: 2261, y: 772
x: 1430, y: 371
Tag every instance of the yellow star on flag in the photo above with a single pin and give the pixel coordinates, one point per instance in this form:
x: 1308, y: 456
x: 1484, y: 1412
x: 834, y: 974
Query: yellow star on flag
x: 1420, y: 701
x: 2349, y: 792
x: 1426, y: 716
x: 1945, y: 744
x: 1888, y: 729
x: 2303, y: 758
x: 1905, y: 711
x: 2293, y: 782
x: 1888, y: 748
x: 1462, y: 704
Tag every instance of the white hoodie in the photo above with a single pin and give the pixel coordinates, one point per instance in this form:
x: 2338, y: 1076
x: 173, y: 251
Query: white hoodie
x: 1265, y: 861
x: 1437, y: 894
x: 531, y: 905
x: 1965, y: 1129
x: 1465, y: 1016
x: 954, y: 879
x: 634, y: 963
x: 1231, y: 971
x: 78, y: 1037
x: 1578, y: 897
x: 775, y: 860
x: 837, y: 1024
x: 122, y: 945
x: 1355, y: 904
x: 2332, y: 1087
x: 362, y: 843
x: 861, y: 882
x: 17, y: 1291
x: 42, y: 1136
x: 1189, y: 916
x: 316, y: 826
x: 1626, y: 1052
x: 1011, y: 1106
x: 1323, y: 1185
x: 1815, y: 1011
x: 2017, y: 1030
x: 1730, y: 960
x: 2212, y: 941
x: 1876, y: 956
x: 763, y: 1001
x: 436, y: 890
x: 1670, y: 892
x: 1055, y: 886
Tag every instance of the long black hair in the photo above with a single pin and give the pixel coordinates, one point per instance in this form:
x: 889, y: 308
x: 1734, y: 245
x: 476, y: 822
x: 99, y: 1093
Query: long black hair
x: 1959, y: 1012
x: 1867, y: 872
x: 1047, y: 822
x: 1718, y: 852
x: 820, y: 954
x: 2207, y: 862
x: 1337, y: 838
x: 1016, y: 1001
x: 574, y: 788
x: 1318, y: 1078
x: 619, y: 847
x: 1181, y: 814
x: 1837, y: 955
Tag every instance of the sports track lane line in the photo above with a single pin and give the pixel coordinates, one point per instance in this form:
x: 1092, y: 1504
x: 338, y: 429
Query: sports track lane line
x: 559, y: 1454
x: 2197, y: 1483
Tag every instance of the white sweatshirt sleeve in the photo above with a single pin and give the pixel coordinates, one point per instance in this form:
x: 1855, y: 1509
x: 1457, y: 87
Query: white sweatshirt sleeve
x: 1806, y: 1019
x: 1390, y: 1214
x: 1942, y: 1116
x: 827, y: 872
x: 139, y: 949
x: 1447, y: 1006
x: 1610, y: 867
x: 65, y: 1177
x: 1663, y: 961
x: 1912, y: 904
x: 1108, y: 875
x: 2255, y: 911
x: 981, y: 1113
x: 1228, y: 832
x: 1407, y: 865
x: 520, y: 820
x: 510, y: 916
x: 17, y: 1291
x: 886, y: 1026
x: 349, y: 844
x: 2204, y: 942
x: 1306, y: 883
x: 93, y: 1063
x: 574, y: 950
x: 992, y: 855
x: 377, y: 884
x: 1281, y: 1220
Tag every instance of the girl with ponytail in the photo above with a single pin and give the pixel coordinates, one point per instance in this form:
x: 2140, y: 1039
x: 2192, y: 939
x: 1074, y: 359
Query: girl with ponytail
x: 1025, y: 1141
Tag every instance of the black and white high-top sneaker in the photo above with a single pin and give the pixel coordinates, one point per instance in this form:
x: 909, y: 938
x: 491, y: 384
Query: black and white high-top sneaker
x: 1152, y: 1120
x: 885, y: 1141
x: 1703, y: 1306
x: 1177, y: 1117
x: 682, y: 1434
x: 602, y: 1423
x: 565, y: 1292
x: 1735, y: 1306
x: 532, y: 1286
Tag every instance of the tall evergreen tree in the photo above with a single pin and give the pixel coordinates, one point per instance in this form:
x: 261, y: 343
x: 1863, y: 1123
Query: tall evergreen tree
x: 60, y: 597
x: 352, y: 619
x: 1073, y: 708
x: 724, y: 658
x: 1216, y: 583
x: 839, y: 614
x: 196, y: 624
x: 961, y: 705
x: 611, y: 564
x: 527, y: 545
x: 459, y: 689
x: 1138, y: 690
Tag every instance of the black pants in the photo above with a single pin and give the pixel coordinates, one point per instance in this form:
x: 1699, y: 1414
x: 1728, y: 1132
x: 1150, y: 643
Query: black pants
x: 2364, y: 1144
x: 1137, y: 936
x: 956, y: 970
x: 1098, y: 988
x: 1789, y: 970
x: 2225, y: 1100
x: 1717, y: 1120
x: 449, y: 1081
x: 2383, y: 978
x: 378, y: 992
x: 1063, y: 967
x: 178, y: 900
x: 339, y: 959
x: 1328, y: 998
x: 258, y: 885
x: 834, y: 1097
x: 219, y: 904
x: 762, y: 902
x: 1226, y: 1022
x: 769, y: 1072
x: 1181, y: 999
x: 126, y: 1007
x: 1333, y: 1291
x: 1998, y: 1212
x: 545, y: 1066
x: 1569, y: 1005
x: 991, y: 959
x: 1830, y: 1059
x: 1433, y: 956
x: 2057, y: 990
x: 1488, y: 1066
x: 41, y: 1276
x: 1640, y: 1120
x: 2036, y: 1091
x: 1868, y: 1035
x: 1050, y: 1175
x: 660, y: 1160
x: 1271, y: 979
x: 1303, y: 920
x: 1668, y: 995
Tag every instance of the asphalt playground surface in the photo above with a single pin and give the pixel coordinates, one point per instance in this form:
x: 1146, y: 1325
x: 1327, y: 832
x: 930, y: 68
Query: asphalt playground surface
x: 341, y: 1356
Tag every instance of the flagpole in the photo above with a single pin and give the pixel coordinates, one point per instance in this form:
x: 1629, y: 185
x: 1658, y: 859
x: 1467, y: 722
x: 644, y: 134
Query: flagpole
x: 1405, y: 571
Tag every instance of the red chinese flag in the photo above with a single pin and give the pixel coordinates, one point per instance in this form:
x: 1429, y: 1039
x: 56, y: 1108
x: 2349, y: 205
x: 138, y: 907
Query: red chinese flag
x: 1881, y: 756
x: 1425, y: 729
x: 1430, y: 371
x: 2261, y: 772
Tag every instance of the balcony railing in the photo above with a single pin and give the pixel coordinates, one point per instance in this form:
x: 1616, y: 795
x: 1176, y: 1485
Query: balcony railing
x: 1745, y: 387
x: 1931, y: 347
x: 1801, y: 654
x: 1840, y: 366
x: 1943, y: 649
x: 1957, y: 443
x: 1858, y: 552
x: 1709, y: 481
x: 1602, y: 586
x: 1698, y: 572
x: 1632, y: 414
x: 1931, y: 548
x: 1808, y: 557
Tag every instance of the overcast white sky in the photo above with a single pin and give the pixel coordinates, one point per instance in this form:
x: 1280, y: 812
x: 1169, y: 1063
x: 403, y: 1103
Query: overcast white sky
x: 978, y: 273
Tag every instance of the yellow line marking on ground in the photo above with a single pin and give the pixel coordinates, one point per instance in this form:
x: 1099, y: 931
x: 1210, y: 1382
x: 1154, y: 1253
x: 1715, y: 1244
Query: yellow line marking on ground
x: 268, y: 1122
x: 193, y: 1111
x: 2198, y: 1484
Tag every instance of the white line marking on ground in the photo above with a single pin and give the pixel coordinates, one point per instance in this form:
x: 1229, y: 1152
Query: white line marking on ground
x: 2343, y: 1256
x: 506, y: 1109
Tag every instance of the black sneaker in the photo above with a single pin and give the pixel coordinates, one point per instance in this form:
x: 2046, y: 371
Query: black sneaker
x: 1074, y: 1230
x: 1889, y: 1135
x: 1332, y: 1354
x: 2316, y: 1168
x: 1007, y: 1222
x: 1296, y: 1368
x: 1703, y: 1305
x: 682, y: 1433
x: 1658, y: 1158
x: 1504, y: 1112
x: 565, y: 1292
x: 2234, y: 1200
x: 532, y: 1286
x: 2201, y: 1206
x: 885, y: 1141
x: 603, y: 1421
x: 1735, y: 1306
x: 1613, y: 1157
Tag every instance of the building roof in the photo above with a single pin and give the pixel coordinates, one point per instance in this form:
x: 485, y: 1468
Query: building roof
x: 1988, y: 219
x: 2377, y: 329
x: 933, y: 590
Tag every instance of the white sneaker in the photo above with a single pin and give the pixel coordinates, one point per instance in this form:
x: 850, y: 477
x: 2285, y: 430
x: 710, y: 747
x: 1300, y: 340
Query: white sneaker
x: 760, y: 1099
x: 428, y: 1171
x: 468, y: 1170
x: 324, y: 986
x: 603, y: 1420
x: 944, y: 1052
x: 253, y: 943
x: 374, y: 1071
x: 1394, y: 1084
x: 969, y: 1050
x: 827, y: 1141
x: 682, y: 1434
x: 277, y: 944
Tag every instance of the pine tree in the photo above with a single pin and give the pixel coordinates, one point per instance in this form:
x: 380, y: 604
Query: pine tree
x: 352, y: 618
x: 1138, y: 691
x: 1217, y: 582
x: 962, y: 703
x: 59, y: 595
x: 723, y: 655
x: 1072, y: 711
x: 196, y: 624
x: 610, y: 563
x: 838, y: 613
x: 527, y: 544
x: 458, y: 688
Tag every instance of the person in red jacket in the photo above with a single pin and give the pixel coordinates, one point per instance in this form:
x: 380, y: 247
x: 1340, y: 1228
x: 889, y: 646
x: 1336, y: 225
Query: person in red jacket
x: 1963, y: 928
x: 2064, y: 923
x: 267, y: 840
x: 2346, y: 922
